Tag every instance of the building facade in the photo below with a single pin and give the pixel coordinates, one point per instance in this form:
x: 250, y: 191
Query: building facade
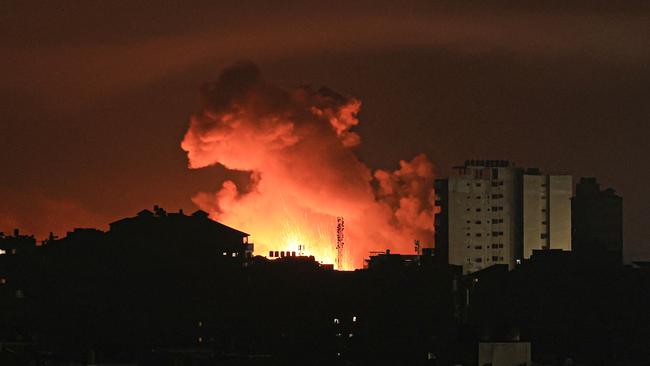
x: 492, y: 212
x: 546, y: 213
x: 480, y: 207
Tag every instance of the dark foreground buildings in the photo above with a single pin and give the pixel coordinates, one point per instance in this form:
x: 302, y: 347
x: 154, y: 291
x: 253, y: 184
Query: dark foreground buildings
x: 173, y: 289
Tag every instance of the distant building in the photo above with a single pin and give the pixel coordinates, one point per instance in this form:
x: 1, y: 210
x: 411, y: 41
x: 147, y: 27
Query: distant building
x: 179, y: 234
x: 492, y: 212
x: 16, y: 244
x: 546, y: 215
x: 504, y: 354
x: 597, y: 220
x: 388, y: 260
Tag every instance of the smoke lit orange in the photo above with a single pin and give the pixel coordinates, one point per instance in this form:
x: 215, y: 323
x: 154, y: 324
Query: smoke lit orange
x: 298, y: 148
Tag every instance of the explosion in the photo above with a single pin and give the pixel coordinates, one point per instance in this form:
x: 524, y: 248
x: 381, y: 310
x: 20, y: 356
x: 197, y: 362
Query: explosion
x: 298, y: 149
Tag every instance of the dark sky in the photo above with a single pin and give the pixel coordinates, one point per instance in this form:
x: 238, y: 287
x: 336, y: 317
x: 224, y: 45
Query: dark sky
x: 96, y: 95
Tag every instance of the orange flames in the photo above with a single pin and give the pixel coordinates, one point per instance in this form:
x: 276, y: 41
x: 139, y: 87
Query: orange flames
x: 298, y: 150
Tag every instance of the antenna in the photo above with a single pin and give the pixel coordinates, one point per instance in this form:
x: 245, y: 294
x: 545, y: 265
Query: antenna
x: 340, y: 241
x: 417, y: 251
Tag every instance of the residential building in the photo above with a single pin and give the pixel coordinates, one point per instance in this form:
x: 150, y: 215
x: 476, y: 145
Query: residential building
x: 492, y: 212
x: 597, y: 220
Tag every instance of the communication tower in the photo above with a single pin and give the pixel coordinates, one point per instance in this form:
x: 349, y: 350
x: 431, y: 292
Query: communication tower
x: 340, y: 242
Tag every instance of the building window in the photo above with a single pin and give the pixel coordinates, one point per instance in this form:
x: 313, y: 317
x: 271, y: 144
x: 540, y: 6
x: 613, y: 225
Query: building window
x: 478, y: 260
x: 478, y: 247
x: 478, y: 184
x: 495, y: 258
x: 544, y: 235
x: 478, y: 222
x: 478, y: 234
x: 478, y: 210
x: 478, y: 197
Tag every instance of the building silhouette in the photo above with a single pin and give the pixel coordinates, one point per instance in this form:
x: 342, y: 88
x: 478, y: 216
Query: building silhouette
x: 157, y: 289
x: 597, y: 220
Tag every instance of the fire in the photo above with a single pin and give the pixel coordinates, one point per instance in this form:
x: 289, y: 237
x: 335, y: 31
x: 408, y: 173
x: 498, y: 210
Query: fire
x: 317, y: 241
x: 298, y: 149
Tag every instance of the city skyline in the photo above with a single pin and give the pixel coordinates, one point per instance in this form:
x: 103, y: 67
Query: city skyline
x: 93, y: 118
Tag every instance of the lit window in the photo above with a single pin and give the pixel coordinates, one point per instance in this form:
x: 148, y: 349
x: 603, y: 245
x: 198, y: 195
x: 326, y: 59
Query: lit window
x: 200, y: 339
x: 2, y: 251
x: 3, y: 281
x: 200, y: 324
x: 234, y: 254
x: 350, y: 335
x: 225, y: 254
x: 336, y: 321
x: 354, y: 318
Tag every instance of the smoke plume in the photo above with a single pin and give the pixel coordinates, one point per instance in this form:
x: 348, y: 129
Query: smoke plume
x: 298, y: 148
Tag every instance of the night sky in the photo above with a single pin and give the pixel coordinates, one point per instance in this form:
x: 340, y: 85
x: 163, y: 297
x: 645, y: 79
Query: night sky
x: 96, y: 96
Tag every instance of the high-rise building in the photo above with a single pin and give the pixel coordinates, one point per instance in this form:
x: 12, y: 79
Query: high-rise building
x: 492, y: 212
x: 546, y: 211
x: 478, y: 224
x: 597, y: 220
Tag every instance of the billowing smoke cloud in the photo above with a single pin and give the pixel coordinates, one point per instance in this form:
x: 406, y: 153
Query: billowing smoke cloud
x: 298, y: 147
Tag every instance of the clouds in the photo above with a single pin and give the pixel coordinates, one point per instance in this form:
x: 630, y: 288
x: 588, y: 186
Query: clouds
x: 87, y: 69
